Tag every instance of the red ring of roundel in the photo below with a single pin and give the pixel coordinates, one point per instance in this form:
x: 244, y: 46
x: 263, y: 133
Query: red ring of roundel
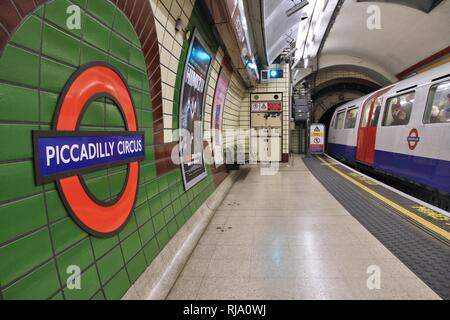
x: 95, y: 218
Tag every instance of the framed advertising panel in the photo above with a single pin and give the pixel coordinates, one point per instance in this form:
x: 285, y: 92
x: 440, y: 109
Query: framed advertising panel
x: 193, y: 94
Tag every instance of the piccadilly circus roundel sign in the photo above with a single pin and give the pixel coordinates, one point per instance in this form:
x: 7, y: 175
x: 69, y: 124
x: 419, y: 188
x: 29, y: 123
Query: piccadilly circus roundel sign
x: 64, y: 154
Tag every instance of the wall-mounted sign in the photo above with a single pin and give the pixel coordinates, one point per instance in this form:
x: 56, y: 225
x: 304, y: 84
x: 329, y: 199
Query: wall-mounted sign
x: 256, y: 107
x: 64, y: 154
x: 191, y: 111
x: 274, y: 107
x: 317, y: 138
x: 267, y: 107
x: 218, y: 106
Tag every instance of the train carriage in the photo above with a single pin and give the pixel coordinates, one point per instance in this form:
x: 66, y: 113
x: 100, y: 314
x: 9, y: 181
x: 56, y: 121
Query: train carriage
x: 402, y: 130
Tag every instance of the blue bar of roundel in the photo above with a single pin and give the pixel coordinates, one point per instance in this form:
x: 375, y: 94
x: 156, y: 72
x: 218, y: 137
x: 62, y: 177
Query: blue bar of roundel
x: 54, y: 168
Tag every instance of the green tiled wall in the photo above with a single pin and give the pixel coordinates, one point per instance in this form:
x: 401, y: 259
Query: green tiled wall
x: 38, y: 240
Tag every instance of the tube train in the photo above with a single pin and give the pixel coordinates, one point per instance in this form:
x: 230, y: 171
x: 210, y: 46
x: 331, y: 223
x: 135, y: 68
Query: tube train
x: 402, y: 130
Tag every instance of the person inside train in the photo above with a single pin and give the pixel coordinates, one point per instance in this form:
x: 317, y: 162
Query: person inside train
x: 401, y: 109
x: 444, y: 109
x: 351, y: 118
x: 440, y: 112
x: 398, y: 114
x: 409, y: 101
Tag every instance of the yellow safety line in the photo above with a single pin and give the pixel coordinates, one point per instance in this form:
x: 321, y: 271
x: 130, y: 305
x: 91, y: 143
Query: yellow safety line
x: 409, y: 214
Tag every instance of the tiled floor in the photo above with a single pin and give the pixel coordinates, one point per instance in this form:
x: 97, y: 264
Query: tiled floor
x: 286, y: 237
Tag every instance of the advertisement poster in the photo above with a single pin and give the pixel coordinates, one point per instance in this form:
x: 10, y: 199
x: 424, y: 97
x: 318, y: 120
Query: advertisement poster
x: 317, y: 139
x: 218, y: 105
x: 191, y: 111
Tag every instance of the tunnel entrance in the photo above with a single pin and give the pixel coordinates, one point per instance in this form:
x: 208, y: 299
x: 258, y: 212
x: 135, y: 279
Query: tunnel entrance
x: 330, y: 95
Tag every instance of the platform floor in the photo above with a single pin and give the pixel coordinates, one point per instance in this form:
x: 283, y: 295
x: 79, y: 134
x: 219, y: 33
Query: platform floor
x: 286, y: 237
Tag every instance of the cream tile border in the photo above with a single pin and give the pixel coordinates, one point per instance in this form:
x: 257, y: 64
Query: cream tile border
x: 170, y: 47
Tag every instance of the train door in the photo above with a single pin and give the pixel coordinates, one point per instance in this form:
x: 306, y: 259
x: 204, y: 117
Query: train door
x: 363, y: 131
x: 372, y: 130
x: 367, y: 132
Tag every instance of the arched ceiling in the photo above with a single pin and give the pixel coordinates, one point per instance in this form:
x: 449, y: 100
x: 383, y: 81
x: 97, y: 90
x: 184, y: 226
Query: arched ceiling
x: 334, y: 92
x: 406, y: 36
x: 326, y: 102
x: 409, y: 32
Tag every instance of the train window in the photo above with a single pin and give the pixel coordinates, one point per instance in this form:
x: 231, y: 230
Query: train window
x: 340, y: 119
x: 376, y: 112
x: 398, y: 110
x: 350, y: 119
x: 333, y: 121
x: 438, y: 106
x: 366, y: 113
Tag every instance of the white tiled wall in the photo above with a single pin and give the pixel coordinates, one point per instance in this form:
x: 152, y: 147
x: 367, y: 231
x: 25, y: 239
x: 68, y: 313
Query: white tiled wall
x: 244, y: 122
x: 278, y: 85
x: 231, y: 113
x: 237, y: 105
x: 170, y: 46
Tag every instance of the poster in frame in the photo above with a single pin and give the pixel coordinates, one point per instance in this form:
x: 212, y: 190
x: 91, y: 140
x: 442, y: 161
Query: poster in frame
x: 220, y: 94
x: 193, y: 94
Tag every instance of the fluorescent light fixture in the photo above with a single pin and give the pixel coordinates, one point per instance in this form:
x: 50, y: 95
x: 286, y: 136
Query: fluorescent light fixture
x: 296, y: 8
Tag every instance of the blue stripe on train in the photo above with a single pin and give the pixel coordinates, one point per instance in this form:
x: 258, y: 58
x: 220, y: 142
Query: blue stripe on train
x: 429, y: 172
x: 342, y: 151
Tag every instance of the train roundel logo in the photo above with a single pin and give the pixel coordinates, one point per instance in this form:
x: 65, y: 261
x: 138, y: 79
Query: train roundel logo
x: 64, y: 154
x: 413, y: 139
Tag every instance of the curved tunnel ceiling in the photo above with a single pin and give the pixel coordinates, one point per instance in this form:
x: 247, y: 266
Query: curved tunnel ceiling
x: 337, y: 91
x: 370, y: 73
x: 345, y: 84
x: 406, y: 35
x: 333, y: 99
